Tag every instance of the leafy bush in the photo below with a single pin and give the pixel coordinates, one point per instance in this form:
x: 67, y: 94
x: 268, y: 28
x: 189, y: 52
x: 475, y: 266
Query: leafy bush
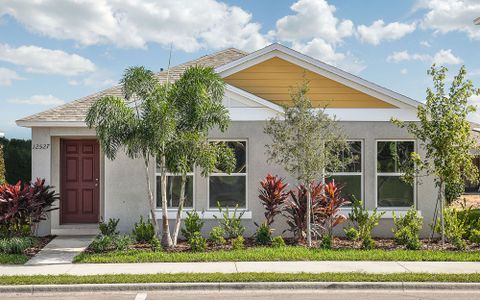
x: 407, y: 229
x: 238, y: 243
x: 327, y: 242
x: 456, y: 227
x: 15, y: 245
x: 295, y: 209
x: 101, y: 243
x: 263, y: 236
x: 216, y: 236
x: 22, y: 206
x: 143, y: 232
x: 193, y: 224
x: 197, y: 242
x: 231, y: 225
x: 121, y: 242
x: 351, y: 234
x: 363, y: 223
x: 278, y: 242
x: 272, y: 196
x: 155, y: 243
x: 109, y: 228
x: 474, y: 236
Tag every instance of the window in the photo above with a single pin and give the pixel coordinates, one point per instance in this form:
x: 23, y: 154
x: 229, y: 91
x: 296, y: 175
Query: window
x: 393, y: 157
x: 174, y: 182
x: 350, y: 176
x: 230, y: 189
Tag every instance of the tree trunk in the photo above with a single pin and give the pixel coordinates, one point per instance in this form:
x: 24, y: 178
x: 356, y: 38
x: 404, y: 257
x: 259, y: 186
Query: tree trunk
x: 181, y: 202
x: 151, y: 200
x: 166, y: 238
x: 442, y: 219
x: 309, y: 213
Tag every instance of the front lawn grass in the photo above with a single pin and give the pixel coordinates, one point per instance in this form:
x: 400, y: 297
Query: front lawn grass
x: 13, y: 259
x: 289, y: 253
x: 237, y: 277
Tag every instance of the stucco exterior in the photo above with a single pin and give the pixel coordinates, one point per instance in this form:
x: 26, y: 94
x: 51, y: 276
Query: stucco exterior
x: 123, y: 188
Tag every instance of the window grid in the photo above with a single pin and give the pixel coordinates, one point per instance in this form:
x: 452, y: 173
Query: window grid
x: 170, y: 174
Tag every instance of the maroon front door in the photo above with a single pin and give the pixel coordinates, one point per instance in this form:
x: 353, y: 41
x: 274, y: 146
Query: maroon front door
x: 80, y: 174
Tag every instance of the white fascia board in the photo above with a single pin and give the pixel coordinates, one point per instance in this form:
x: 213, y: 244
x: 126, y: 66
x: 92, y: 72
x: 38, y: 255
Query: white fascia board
x: 311, y: 64
x: 255, y: 98
x: 372, y: 114
x: 30, y: 124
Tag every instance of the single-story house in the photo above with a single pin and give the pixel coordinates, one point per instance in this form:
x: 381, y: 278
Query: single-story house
x: 93, y: 188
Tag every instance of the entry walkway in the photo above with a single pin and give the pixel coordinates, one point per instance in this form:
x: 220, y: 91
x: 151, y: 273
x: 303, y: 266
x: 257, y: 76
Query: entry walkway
x: 61, y: 250
x: 373, y: 267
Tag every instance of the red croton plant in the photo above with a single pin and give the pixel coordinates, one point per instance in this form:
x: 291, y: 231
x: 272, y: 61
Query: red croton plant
x: 22, y: 206
x: 272, y: 195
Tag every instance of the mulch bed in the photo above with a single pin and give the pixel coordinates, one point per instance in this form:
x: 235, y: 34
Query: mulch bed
x: 39, y: 243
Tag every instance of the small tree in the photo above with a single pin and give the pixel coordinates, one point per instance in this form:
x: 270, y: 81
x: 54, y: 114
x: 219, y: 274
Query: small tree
x: 306, y: 142
x: 445, y: 135
x: 142, y: 124
x: 2, y: 166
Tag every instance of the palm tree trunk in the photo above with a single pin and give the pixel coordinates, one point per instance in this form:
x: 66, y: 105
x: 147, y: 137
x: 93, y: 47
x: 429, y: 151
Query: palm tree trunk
x: 151, y: 200
x: 166, y: 238
x: 181, y: 202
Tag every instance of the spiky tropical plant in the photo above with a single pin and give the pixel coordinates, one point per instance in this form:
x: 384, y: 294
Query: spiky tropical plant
x: 272, y: 196
x: 2, y: 166
x: 331, y: 201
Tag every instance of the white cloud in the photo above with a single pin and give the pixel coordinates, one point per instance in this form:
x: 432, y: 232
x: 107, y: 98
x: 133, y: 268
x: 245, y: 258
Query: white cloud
x: 325, y: 52
x: 425, y: 44
x: 313, y: 19
x: 445, y: 16
x: 446, y: 57
x: 46, y: 61
x: 189, y: 25
x: 379, y: 31
x: 404, y: 71
x: 38, y: 100
x: 442, y: 57
x: 7, y: 76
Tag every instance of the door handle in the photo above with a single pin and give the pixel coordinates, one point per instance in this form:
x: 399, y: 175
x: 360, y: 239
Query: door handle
x: 96, y: 182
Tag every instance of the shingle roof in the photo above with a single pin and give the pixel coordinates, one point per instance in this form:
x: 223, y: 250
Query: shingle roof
x: 77, y: 109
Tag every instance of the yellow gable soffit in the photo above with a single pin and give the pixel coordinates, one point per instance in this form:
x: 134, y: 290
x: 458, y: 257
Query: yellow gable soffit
x: 274, y: 78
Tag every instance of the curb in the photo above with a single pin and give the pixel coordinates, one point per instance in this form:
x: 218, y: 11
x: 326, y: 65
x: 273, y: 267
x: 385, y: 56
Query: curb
x: 31, y: 289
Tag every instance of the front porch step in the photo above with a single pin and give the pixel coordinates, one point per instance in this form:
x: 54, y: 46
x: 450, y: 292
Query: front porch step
x: 75, y: 230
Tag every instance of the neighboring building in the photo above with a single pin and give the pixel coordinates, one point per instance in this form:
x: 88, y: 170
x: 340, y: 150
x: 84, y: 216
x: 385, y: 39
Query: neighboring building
x: 93, y: 188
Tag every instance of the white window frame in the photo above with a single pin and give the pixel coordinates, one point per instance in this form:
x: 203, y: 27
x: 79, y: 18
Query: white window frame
x: 175, y: 208
x: 231, y: 174
x: 394, y: 174
x: 361, y: 174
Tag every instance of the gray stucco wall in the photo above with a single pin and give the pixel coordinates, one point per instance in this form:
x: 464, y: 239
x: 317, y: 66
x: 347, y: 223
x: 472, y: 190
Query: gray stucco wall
x: 123, y: 192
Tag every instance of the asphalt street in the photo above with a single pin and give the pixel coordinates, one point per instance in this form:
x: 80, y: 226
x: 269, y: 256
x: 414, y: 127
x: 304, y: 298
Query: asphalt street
x: 269, y: 295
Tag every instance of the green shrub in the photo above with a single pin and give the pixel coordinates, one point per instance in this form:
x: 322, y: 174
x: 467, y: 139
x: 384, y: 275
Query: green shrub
x: 231, y: 225
x: 238, y: 243
x: 197, y: 242
x: 278, y: 242
x: 101, y: 243
x: 109, y: 228
x: 216, y: 236
x: 474, y: 236
x: 263, y: 236
x: 15, y: 245
x: 193, y: 224
x: 361, y: 220
x: 327, y: 242
x: 121, y: 242
x: 407, y: 229
x: 155, y: 243
x: 143, y: 232
x: 456, y: 227
x: 351, y: 234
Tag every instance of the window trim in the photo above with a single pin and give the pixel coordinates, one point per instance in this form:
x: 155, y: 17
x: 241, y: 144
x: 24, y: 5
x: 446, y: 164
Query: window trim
x: 393, y: 174
x: 231, y: 174
x: 361, y: 174
x: 175, y: 208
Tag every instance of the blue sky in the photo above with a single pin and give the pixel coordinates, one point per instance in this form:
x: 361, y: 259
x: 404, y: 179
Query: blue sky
x: 52, y: 52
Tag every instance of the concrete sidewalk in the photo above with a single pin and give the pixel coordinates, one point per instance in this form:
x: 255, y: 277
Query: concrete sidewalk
x: 373, y: 267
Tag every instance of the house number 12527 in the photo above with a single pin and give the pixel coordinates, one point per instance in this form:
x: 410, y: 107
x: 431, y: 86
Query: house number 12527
x: 40, y: 146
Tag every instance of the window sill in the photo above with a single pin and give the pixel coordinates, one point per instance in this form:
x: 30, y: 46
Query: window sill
x: 205, y: 215
x: 388, y: 213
